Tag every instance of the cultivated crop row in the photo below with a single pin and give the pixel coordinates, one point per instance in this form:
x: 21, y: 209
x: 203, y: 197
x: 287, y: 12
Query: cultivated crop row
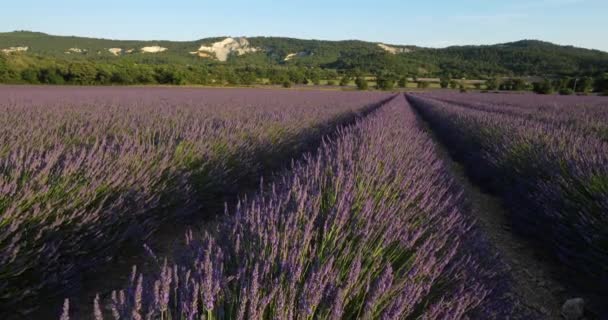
x: 369, y: 226
x: 83, y: 171
x: 553, y: 176
x: 588, y: 114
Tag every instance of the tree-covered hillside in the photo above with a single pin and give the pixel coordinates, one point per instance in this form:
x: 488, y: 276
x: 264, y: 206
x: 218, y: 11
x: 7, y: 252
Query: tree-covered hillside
x: 42, y: 58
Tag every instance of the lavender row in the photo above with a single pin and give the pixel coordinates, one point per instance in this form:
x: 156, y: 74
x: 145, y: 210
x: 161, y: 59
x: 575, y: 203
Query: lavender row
x: 371, y: 226
x: 587, y: 114
x: 83, y: 171
x: 553, y: 179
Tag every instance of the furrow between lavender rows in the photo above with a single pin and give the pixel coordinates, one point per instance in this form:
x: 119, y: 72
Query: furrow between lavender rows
x: 553, y: 180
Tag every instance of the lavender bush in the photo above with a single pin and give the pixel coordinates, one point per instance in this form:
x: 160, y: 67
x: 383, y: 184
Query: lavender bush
x: 84, y: 170
x: 588, y: 114
x: 553, y: 175
x: 371, y: 226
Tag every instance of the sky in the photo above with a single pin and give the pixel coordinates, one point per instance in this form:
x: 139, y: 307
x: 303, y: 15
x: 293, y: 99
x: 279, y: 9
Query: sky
x: 432, y: 23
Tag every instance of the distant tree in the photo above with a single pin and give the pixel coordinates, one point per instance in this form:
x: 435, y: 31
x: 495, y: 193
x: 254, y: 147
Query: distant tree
x: 287, y: 84
x: 600, y: 84
x: 463, y: 88
x: 297, y: 76
x: 82, y: 73
x: 313, y: 75
x: 493, y: 84
x: 453, y: 84
x: 562, y: 83
x: 566, y: 91
x: 477, y: 86
x: 344, y: 81
x: 104, y: 75
x: 584, y: 84
x: 513, y: 85
x: 385, y: 81
x: 518, y: 84
x: 4, y: 74
x: 544, y: 87
x: 122, y: 75
x: 278, y: 77
x: 142, y: 74
x: 51, y: 76
x: 167, y: 75
x: 423, y: 84
x: 331, y: 83
x: 29, y: 75
x: 331, y: 74
x: 232, y: 78
x: 402, y: 83
x: 247, y: 78
x: 361, y: 83
x: 444, y: 83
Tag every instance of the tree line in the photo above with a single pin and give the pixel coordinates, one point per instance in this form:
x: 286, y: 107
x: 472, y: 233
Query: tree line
x: 42, y: 70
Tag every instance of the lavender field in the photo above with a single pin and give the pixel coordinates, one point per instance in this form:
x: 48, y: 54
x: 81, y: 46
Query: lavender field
x: 83, y: 171
x: 370, y: 227
x: 301, y: 204
x: 547, y: 158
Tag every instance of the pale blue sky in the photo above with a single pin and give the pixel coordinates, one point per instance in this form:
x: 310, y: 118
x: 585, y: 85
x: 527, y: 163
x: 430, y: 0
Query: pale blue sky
x: 434, y: 23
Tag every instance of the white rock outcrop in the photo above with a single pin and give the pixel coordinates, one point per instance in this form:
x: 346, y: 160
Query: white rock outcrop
x: 393, y: 50
x: 115, y: 51
x: 76, y: 50
x: 153, y: 49
x: 223, y: 49
x: 291, y: 56
x: 14, y: 49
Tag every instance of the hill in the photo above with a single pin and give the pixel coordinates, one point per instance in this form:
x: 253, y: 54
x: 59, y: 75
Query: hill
x: 24, y: 50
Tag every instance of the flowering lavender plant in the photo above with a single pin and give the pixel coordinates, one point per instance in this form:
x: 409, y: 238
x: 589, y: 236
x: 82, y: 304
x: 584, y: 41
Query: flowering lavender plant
x: 85, y: 170
x: 369, y: 226
x: 549, y: 162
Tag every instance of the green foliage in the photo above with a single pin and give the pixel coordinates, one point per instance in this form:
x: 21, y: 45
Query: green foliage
x: 165, y: 75
x: 600, y: 83
x: 3, y: 69
x: 297, y: 76
x: 29, y: 76
x: 82, y: 73
x: 50, y: 76
x: 402, y: 82
x: 423, y: 84
x: 493, y: 84
x: 544, y: 87
x: 385, y: 81
x: 584, y: 84
x: 361, y: 83
x: 47, y: 62
x: 314, y: 75
x: 566, y: 91
x: 344, y: 81
x: 462, y: 88
x: 513, y: 85
x: 453, y: 84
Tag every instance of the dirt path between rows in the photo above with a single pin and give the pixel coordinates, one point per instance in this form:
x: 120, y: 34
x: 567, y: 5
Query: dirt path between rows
x: 535, y: 281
